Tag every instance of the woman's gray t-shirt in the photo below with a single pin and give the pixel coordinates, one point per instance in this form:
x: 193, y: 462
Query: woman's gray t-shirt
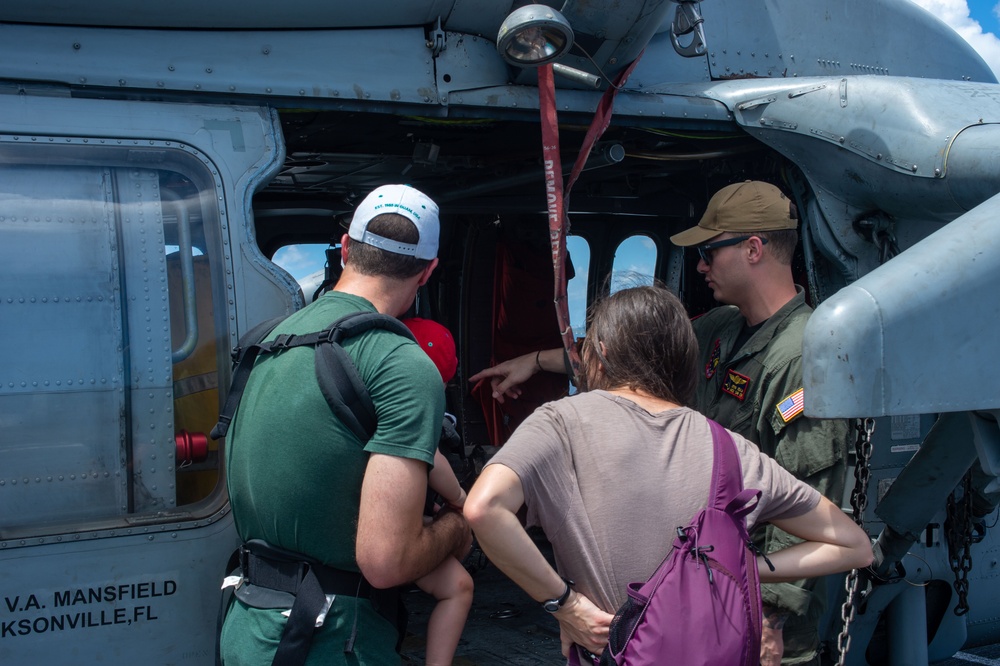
x: 609, y: 483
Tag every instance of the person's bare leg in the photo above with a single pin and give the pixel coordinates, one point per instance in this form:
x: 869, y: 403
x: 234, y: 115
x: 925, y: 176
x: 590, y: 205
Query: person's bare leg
x: 452, y: 586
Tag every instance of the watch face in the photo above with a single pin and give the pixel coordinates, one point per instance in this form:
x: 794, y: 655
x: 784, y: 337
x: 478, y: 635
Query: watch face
x: 552, y: 605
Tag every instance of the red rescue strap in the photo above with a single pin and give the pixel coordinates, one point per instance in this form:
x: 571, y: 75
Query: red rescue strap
x: 557, y: 201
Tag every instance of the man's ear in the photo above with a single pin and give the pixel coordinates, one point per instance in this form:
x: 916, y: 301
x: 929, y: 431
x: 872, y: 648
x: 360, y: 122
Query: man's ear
x: 755, y: 249
x: 344, y: 241
x: 425, y: 275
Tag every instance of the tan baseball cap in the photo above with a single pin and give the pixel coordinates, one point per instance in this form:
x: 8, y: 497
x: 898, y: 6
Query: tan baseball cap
x: 741, y: 207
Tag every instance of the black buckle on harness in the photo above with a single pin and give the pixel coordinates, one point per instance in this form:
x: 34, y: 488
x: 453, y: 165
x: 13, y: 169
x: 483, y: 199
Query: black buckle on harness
x: 282, y: 341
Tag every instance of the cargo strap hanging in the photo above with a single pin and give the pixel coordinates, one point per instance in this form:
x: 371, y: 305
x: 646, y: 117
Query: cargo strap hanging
x: 557, y: 199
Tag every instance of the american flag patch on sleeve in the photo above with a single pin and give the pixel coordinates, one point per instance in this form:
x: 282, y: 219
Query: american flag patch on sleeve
x: 791, y: 406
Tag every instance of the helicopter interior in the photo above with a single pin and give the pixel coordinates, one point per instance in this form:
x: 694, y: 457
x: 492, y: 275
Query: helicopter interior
x: 494, y: 284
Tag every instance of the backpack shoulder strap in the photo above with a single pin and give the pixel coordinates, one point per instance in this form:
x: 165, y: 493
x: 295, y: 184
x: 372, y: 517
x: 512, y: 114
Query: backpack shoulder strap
x: 338, y: 377
x: 727, y: 493
x: 357, y: 323
x: 727, y: 473
x: 244, y: 355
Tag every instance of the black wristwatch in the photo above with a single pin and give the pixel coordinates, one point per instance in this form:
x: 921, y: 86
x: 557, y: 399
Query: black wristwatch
x: 553, y: 605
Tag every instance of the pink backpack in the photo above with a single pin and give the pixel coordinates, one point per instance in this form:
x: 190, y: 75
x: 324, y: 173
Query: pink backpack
x: 701, y: 607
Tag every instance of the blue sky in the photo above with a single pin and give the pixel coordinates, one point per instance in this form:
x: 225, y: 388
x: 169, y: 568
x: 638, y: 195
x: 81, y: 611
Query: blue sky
x: 975, y: 20
x: 984, y: 12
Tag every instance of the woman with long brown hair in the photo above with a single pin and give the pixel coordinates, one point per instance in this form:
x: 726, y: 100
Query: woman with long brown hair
x: 609, y: 473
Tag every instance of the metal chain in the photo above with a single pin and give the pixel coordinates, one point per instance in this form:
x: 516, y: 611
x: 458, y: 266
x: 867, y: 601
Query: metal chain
x: 862, y: 470
x: 960, y: 542
x: 859, y: 502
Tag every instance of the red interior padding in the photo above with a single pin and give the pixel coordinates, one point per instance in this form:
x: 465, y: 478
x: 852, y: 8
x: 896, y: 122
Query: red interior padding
x: 524, y: 321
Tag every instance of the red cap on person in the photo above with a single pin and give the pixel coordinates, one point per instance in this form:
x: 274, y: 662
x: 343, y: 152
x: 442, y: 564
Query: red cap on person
x: 437, y: 342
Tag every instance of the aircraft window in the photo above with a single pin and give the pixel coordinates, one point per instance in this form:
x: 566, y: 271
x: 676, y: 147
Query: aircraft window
x: 634, y: 264
x: 578, y: 286
x: 195, y: 251
x: 109, y: 340
x: 306, y: 263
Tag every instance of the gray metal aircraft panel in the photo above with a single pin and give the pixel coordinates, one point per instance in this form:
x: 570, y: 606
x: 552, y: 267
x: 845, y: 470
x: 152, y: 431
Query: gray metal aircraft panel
x: 228, y: 138
x: 56, y: 579
x: 756, y: 37
x: 840, y: 131
x: 85, y: 601
x: 660, y: 66
x: 61, y: 368
x: 938, y: 145
x: 391, y: 65
x: 915, y: 335
x: 342, y: 66
x: 233, y: 13
x: 149, y: 342
x: 792, y: 38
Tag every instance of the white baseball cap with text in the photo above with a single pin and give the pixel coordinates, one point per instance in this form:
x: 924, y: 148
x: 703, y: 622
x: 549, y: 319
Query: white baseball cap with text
x: 403, y: 200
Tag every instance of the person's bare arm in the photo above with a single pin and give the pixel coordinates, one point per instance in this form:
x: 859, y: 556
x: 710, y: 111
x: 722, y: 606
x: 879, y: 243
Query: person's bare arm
x: 506, y: 377
x: 443, y: 481
x: 393, y: 544
x: 492, y: 511
x: 833, y: 543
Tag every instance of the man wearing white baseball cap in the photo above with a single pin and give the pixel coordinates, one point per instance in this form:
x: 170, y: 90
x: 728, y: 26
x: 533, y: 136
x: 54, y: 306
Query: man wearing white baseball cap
x: 402, y: 200
x: 300, y: 479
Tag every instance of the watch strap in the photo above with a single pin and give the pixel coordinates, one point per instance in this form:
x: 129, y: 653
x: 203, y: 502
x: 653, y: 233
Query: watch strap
x: 553, y: 605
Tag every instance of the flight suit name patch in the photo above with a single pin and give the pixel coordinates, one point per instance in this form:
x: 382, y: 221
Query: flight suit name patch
x: 736, y: 384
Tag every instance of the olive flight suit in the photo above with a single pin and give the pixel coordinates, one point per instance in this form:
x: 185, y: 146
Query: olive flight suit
x: 757, y: 392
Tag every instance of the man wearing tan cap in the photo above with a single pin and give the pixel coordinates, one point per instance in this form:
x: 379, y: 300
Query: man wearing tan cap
x: 751, y: 359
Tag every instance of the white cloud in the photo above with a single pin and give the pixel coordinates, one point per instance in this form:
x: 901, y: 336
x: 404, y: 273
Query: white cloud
x: 956, y: 14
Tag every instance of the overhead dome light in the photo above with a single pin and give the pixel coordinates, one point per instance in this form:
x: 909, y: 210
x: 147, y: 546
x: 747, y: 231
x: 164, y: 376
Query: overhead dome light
x: 534, y: 35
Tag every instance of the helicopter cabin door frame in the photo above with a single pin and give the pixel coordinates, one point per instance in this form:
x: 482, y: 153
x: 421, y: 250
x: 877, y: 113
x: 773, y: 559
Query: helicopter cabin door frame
x: 124, y: 239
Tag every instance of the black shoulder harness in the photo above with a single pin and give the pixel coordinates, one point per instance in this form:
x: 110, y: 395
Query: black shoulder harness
x: 338, y: 378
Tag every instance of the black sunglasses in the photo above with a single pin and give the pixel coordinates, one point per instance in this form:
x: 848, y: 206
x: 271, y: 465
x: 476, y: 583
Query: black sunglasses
x: 705, y: 251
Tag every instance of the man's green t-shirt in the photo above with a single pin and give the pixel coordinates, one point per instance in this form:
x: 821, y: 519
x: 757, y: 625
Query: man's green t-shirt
x: 294, y: 471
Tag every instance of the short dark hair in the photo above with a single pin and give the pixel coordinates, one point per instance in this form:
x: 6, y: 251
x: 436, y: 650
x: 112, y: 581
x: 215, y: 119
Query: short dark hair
x: 370, y: 260
x: 781, y: 243
x: 648, y: 344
